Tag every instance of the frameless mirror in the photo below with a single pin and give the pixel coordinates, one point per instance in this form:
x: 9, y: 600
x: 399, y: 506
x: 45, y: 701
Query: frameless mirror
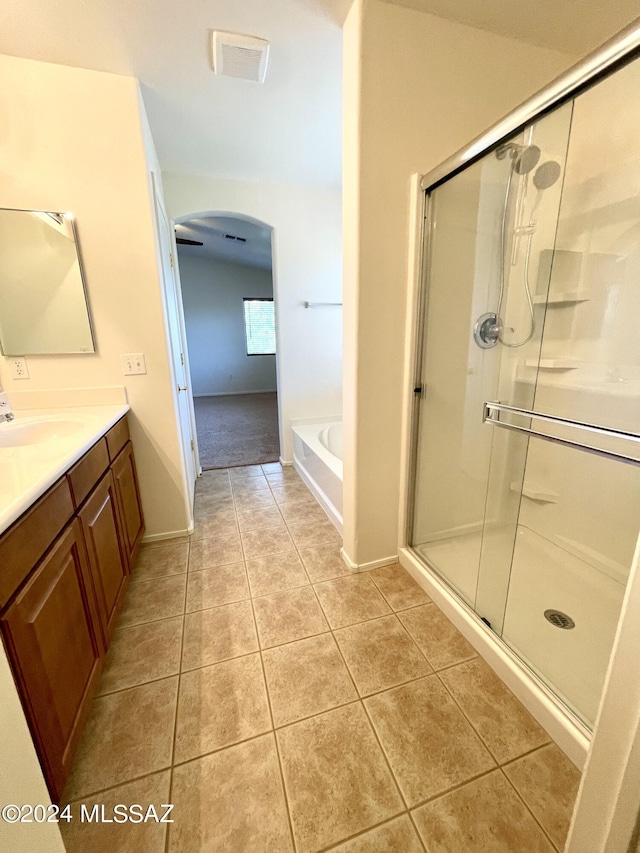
x: 43, y: 302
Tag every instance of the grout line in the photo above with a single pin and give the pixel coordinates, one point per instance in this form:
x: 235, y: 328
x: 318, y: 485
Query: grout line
x: 86, y: 796
x: 371, y: 726
x: 467, y: 718
x: 480, y: 736
x: 218, y: 566
x: 152, y: 621
x: 457, y: 787
x: 297, y: 551
x: 223, y: 604
x: 353, y: 624
x: 133, y: 582
x: 528, y: 808
x: 268, y: 695
x: 417, y: 832
x: 408, y: 633
x: 331, y: 630
x: 390, y: 819
x: 139, y: 684
x: 435, y: 672
x: 454, y: 664
x: 175, y: 721
x: 224, y: 748
x: 385, y: 756
x: 327, y: 630
x: 528, y: 752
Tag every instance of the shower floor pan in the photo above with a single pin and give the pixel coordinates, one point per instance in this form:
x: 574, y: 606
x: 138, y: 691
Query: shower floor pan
x: 544, y: 576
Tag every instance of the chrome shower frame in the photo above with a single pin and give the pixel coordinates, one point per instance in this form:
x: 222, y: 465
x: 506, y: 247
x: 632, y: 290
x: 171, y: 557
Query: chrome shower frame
x: 608, y: 802
x: 606, y: 60
x: 612, y: 56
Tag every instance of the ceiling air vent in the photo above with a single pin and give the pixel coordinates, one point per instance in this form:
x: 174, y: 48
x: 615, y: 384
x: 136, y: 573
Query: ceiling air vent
x: 236, y: 239
x: 235, y: 55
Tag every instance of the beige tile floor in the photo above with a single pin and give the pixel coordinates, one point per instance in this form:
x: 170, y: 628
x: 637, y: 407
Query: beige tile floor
x: 283, y: 703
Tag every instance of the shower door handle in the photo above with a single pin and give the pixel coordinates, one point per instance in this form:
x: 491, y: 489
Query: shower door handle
x: 489, y: 417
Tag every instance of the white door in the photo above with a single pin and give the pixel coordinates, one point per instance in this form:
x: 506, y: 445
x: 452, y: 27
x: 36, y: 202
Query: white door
x: 178, y: 352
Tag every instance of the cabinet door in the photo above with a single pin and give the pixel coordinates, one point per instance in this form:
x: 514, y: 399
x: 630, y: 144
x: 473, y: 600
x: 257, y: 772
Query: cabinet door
x: 107, y: 557
x: 53, y: 641
x: 128, y: 493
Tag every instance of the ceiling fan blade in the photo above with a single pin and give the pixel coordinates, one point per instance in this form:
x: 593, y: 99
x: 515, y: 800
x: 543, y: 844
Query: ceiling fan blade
x: 184, y: 242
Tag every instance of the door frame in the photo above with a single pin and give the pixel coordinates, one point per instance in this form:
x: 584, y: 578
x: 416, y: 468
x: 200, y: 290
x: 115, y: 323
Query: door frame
x: 607, y: 808
x: 172, y: 296
x: 203, y: 214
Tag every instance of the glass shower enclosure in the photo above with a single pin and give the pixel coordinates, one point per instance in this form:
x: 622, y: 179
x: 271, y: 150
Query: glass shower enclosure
x: 526, y: 480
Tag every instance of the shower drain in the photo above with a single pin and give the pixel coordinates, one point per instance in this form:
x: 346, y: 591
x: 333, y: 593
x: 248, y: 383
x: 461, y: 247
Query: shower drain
x: 559, y: 619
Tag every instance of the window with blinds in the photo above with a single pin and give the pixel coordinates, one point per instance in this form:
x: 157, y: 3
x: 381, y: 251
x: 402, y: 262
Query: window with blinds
x: 259, y: 326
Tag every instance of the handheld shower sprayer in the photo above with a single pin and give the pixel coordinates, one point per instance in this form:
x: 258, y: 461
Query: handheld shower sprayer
x: 489, y: 329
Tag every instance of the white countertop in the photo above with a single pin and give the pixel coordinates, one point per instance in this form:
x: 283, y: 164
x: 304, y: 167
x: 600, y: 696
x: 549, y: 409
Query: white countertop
x: 27, y: 472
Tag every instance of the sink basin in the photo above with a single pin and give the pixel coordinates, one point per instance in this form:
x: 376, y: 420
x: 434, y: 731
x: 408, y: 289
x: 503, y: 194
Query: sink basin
x: 21, y: 433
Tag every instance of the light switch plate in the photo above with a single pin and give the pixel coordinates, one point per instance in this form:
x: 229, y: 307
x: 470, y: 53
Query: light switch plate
x: 133, y: 363
x: 18, y: 367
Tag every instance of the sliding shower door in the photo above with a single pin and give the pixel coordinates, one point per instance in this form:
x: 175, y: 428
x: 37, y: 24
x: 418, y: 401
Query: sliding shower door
x: 472, y: 260
x: 453, y: 449
x: 527, y: 487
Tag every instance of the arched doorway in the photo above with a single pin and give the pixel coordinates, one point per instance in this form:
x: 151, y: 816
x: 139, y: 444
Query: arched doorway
x: 230, y: 310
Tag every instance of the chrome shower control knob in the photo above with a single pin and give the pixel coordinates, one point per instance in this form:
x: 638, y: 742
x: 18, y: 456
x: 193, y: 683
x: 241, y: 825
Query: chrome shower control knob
x: 486, y: 330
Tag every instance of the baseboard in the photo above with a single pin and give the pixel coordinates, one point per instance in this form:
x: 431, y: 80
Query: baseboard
x: 284, y: 463
x: 364, y: 567
x: 173, y: 534
x: 237, y: 393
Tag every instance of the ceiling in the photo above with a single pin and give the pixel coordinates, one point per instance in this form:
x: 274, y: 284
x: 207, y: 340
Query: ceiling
x: 288, y: 129
x: 575, y: 27
x: 215, y: 232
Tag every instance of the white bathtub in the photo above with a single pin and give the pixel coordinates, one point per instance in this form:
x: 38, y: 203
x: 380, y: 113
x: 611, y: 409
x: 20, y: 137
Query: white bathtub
x: 317, y: 457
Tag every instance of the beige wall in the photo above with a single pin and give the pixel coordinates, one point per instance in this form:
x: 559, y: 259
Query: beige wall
x: 72, y: 140
x: 213, y: 291
x: 307, y: 259
x: 423, y: 87
x: 21, y: 779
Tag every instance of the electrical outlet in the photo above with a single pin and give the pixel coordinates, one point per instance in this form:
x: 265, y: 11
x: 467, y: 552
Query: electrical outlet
x: 133, y: 363
x: 18, y: 367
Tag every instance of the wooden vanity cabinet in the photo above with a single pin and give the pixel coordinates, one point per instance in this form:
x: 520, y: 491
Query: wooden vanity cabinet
x: 128, y: 492
x: 108, y: 562
x: 55, y: 647
x: 70, y: 557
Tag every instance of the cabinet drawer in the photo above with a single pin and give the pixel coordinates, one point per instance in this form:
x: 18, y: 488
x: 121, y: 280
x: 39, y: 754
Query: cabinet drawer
x: 86, y: 473
x: 117, y: 437
x: 22, y: 546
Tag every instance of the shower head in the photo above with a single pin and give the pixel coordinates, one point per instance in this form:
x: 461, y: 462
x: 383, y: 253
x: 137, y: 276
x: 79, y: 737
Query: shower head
x: 526, y: 160
x: 524, y: 157
x: 546, y: 175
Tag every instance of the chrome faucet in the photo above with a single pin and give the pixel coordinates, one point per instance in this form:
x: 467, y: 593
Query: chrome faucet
x: 6, y: 412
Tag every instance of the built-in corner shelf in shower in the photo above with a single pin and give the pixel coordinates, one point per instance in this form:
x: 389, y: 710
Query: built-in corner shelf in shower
x: 553, y: 363
x: 535, y: 492
x: 557, y: 300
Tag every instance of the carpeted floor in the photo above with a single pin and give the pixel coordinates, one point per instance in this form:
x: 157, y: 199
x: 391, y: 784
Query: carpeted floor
x: 239, y: 429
